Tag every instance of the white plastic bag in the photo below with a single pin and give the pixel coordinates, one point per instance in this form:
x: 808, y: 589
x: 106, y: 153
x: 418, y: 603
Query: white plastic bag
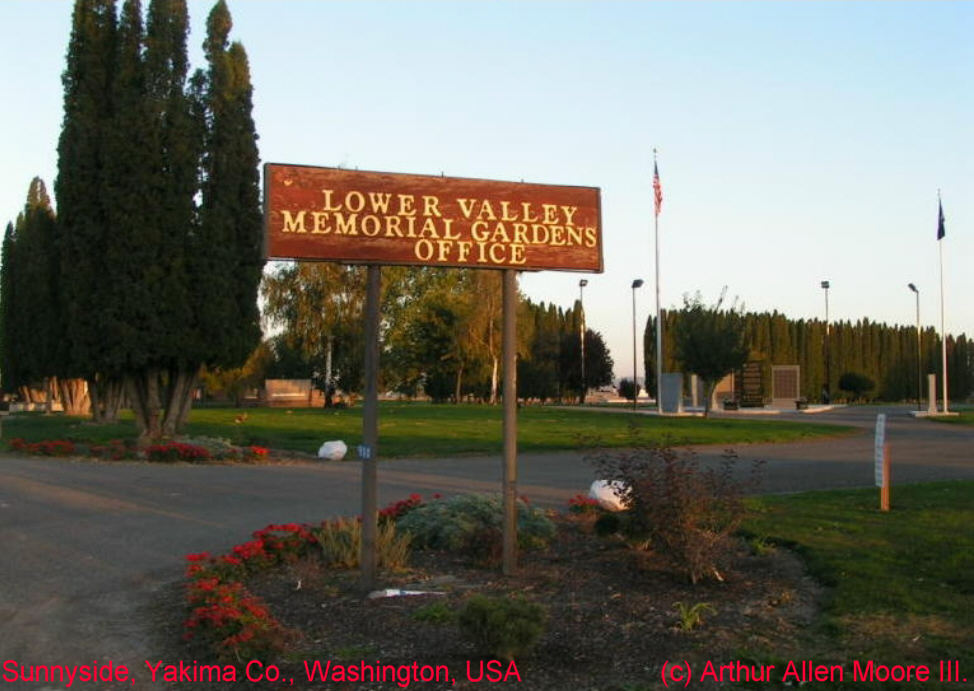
x: 611, y: 496
x: 332, y: 451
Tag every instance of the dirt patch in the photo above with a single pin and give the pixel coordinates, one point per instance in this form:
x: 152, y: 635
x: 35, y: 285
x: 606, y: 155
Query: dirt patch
x: 612, y: 617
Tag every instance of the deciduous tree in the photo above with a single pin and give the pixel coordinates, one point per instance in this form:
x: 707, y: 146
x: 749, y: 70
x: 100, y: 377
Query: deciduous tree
x: 710, y: 341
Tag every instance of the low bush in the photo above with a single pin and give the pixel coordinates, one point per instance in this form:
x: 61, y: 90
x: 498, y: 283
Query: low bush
x: 472, y: 524
x: 435, y: 613
x: 500, y: 627
x: 681, y: 511
x: 44, y: 448
x: 341, y: 543
x: 582, y: 505
x: 398, y: 509
x: 176, y: 451
x: 856, y: 384
x: 691, y: 616
x: 114, y: 450
x: 230, y: 620
x: 628, y: 389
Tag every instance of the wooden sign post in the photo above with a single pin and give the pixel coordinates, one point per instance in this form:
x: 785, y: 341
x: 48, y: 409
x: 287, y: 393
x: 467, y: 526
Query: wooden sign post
x: 359, y: 217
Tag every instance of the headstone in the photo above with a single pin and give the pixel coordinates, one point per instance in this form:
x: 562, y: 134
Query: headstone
x: 291, y: 393
x: 785, y: 386
x: 671, y: 392
x: 932, y: 394
x: 750, y: 385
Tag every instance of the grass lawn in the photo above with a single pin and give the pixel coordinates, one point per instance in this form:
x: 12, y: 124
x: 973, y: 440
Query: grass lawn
x: 900, y: 585
x: 966, y: 417
x: 420, y: 429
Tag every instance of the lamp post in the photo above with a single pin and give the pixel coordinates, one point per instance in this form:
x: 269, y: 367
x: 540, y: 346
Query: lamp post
x: 828, y: 354
x: 919, y: 347
x: 581, y: 336
x: 638, y: 283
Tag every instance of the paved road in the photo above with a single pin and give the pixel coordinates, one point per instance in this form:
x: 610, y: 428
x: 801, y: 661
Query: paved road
x: 86, y: 547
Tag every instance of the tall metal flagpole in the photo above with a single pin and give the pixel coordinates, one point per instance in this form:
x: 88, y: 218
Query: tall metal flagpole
x: 658, y: 202
x: 943, y: 333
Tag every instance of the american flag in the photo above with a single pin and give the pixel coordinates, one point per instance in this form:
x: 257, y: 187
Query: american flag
x: 657, y: 189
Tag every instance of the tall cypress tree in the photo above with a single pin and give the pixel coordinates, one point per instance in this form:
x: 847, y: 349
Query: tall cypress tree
x: 169, y: 178
x: 80, y: 187
x: 126, y: 317
x: 231, y: 223
x: 173, y: 286
x: 9, y: 310
x: 37, y: 287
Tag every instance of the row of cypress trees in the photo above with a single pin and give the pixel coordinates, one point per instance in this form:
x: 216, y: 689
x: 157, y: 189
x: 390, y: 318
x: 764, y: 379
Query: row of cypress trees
x: 550, y: 366
x: 156, y: 256
x: 886, y: 354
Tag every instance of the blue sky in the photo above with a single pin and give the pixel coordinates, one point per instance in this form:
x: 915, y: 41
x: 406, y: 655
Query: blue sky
x: 797, y: 141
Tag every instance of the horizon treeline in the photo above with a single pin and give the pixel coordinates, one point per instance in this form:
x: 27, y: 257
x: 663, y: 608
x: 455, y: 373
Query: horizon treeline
x: 886, y: 354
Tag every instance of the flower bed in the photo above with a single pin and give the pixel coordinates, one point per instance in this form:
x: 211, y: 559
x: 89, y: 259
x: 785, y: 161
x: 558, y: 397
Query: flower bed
x: 168, y: 452
x: 44, y: 448
x: 224, y: 615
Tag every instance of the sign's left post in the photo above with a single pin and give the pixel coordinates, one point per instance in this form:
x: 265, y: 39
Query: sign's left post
x: 370, y: 430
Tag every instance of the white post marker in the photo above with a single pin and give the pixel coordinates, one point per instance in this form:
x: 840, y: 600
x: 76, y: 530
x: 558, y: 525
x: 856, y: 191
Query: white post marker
x: 880, y: 443
x: 882, y: 461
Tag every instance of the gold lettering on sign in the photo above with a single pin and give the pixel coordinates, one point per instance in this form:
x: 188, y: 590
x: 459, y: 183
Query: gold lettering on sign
x: 293, y: 224
x: 431, y: 206
x: 458, y: 231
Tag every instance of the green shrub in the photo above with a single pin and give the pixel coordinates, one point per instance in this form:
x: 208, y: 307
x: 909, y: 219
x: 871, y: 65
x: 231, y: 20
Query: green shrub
x: 472, y: 524
x: 502, y: 627
x: 691, y: 616
x: 858, y: 385
x: 608, y: 524
x: 434, y: 613
x: 681, y: 511
x: 628, y: 389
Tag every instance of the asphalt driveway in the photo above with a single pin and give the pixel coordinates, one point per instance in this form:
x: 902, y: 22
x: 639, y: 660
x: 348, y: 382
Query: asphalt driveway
x: 87, y: 547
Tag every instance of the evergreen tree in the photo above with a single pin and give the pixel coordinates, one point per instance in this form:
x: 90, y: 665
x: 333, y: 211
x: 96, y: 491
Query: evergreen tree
x: 172, y: 287
x: 129, y: 276
x: 81, y: 186
x: 9, y: 309
x: 231, y: 231
x: 37, y: 277
x: 598, y: 362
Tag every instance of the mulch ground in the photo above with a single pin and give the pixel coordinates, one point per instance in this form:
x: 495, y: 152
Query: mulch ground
x: 612, y: 618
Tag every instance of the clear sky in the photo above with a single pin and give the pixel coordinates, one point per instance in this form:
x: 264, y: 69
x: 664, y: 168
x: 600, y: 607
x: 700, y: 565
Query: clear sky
x: 797, y: 142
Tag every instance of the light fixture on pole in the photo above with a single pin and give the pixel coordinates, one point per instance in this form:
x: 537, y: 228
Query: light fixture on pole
x: 828, y: 354
x: 919, y: 347
x: 638, y: 283
x: 581, y: 336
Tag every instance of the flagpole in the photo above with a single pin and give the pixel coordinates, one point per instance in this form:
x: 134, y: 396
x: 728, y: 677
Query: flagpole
x: 943, y: 332
x: 659, y: 321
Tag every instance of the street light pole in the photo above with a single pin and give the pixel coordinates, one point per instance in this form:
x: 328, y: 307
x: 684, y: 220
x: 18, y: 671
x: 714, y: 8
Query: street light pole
x: 581, y: 336
x: 828, y: 353
x: 638, y: 283
x: 919, y: 347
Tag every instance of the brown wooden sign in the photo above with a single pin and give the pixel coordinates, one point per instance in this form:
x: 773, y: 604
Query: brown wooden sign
x: 333, y: 214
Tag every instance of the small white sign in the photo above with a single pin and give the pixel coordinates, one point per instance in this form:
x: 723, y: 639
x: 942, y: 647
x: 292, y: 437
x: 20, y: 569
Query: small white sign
x: 880, y: 443
x: 364, y: 452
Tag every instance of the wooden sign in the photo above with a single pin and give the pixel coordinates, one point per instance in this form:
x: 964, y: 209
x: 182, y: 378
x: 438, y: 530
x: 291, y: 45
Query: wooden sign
x: 359, y: 217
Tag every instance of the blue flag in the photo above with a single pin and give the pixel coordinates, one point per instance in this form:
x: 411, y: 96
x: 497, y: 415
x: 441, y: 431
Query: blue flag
x: 940, y: 220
